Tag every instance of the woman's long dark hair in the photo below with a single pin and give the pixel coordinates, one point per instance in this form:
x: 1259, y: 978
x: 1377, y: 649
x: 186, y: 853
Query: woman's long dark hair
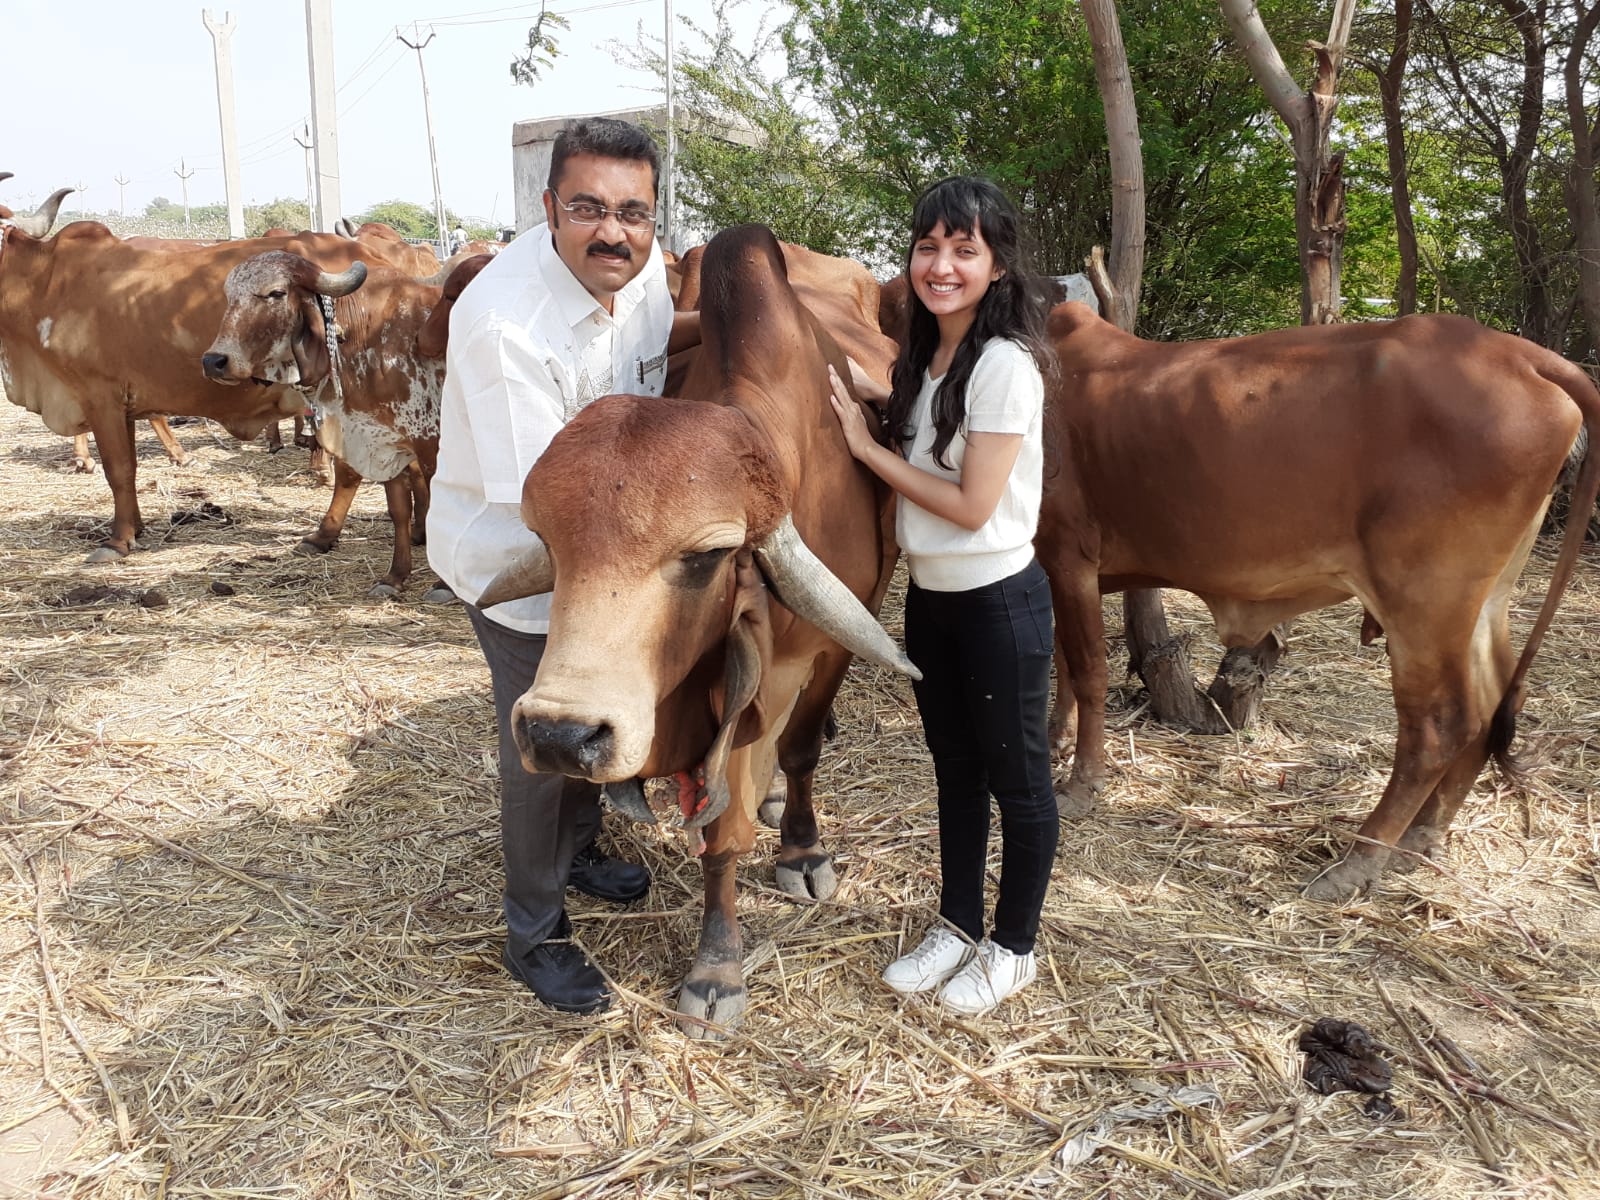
x: 1014, y: 307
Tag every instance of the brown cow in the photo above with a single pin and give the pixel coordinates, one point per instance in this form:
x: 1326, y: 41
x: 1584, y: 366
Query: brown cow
x: 434, y: 337
x: 1405, y: 463
x: 378, y: 408
x: 692, y: 631
x: 96, y: 333
x: 418, y: 261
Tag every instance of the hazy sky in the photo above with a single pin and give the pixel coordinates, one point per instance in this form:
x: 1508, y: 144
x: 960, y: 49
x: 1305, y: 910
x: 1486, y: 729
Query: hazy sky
x: 117, y: 88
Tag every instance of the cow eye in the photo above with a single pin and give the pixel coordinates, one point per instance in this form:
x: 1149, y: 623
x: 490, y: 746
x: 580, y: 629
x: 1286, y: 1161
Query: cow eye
x: 276, y: 294
x: 700, y: 566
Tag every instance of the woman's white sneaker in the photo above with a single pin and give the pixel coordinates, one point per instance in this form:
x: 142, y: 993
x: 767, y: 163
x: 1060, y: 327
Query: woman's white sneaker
x: 991, y: 975
x: 940, y: 956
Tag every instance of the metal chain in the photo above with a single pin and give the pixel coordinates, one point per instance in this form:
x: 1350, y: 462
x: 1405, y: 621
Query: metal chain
x: 331, y: 331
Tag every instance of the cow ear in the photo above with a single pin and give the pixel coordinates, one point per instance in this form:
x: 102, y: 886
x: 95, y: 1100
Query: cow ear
x: 309, y: 341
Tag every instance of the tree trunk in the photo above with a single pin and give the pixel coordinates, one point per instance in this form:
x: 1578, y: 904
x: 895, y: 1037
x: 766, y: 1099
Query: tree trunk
x: 1319, y: 175
x: 1390, y: 81
x: 1157, y: 657
x: 1581, y: 201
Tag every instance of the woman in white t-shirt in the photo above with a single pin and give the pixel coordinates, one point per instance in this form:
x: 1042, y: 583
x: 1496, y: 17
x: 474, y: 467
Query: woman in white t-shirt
x: 964, y: 419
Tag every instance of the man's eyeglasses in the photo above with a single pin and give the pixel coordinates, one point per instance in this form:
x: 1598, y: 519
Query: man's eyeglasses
x: 584, y: 212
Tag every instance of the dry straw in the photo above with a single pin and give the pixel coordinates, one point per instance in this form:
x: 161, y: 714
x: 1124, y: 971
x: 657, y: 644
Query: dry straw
x: 251, y: 935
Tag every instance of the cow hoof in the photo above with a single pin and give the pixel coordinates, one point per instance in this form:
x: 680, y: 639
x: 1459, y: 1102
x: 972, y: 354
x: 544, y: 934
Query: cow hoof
x: 307, y: 547
x: 1422, y: 842
x: 104, y: 554
x: 715, y: 999
x: 383, y: 591
x: 809, y: 878
x: 771, y: 812
x: 1342, y: 882
x: 82, y: 467
x: 1077, y: 799
x: 440, y: 594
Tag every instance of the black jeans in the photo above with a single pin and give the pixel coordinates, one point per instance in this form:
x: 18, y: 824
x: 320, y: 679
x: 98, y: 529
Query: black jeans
x: 544, y: 819
x: 984, y: 698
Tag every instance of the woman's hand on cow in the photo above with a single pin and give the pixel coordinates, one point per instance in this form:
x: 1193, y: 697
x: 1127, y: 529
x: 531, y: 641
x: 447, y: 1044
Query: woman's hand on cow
x: 868, y: 388
x: 851, y: 419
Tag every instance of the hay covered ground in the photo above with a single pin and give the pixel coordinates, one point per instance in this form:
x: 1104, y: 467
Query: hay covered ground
x: 250, y: 944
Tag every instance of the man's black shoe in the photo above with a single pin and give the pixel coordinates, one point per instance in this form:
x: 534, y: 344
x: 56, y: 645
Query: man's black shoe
x: 606, y: 878
x: 560, y: 974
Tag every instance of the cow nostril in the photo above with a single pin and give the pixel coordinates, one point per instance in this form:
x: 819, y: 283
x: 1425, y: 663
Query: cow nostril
x: 563, y: 746
x: 214, y: 364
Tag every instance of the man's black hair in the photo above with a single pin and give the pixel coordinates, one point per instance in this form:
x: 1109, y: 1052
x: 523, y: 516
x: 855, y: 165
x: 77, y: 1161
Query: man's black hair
x: 605, y: 137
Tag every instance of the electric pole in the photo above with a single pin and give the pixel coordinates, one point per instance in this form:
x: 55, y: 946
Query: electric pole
x: 433, y: 158
x: 122, y: 203
x: 83, y: 208
x: 183, y: 173
x: 324, y: 112
x: 222, y: 46
x: 305, y: 143
x: 672, y: 143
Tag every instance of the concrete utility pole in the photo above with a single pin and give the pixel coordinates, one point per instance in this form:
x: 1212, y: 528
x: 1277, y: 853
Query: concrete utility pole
x: 672, y: 143
x: 122, y: 202
x: 83, y: 206
x: 303, y: 140
x: 324, y: 112
x: 433, y: 157
x: 183, y: 173
x: 222, y: 46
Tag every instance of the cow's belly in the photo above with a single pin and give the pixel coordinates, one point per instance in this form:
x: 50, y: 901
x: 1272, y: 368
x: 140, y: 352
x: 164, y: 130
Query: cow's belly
x: 372, y: 449
x: 1246, y: 622
x: 40, y: 392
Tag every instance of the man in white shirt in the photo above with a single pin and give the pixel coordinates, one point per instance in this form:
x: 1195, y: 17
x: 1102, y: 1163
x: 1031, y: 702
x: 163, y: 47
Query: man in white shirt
x: 570, y: 311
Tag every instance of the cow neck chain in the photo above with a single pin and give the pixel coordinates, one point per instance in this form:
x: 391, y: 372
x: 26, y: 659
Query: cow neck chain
x: 331, y: 331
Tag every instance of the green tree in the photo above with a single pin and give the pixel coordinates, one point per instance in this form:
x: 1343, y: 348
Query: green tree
x: 747, y: 152
x: 541, y: 50
x: 1007, y: 88
x: 276, y: 214
x: 407, y: 219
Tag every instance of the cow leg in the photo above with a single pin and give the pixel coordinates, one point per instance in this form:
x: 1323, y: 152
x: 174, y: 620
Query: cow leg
x: 178, y: 455
x: 1438, y: 721
x: 1064, y: 712
x: 273, y: 436
x: 397, y: 494
x: 82, y: 464
x: 345, y: 483
x: 1080, y: 639
x: 1493, y: 662
x: 115, y: 441
x: 805, y: 869
x: 421, y: 495
x: 714, y: 988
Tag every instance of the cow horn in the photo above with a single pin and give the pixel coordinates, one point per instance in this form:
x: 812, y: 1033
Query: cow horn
x: 5, y: 175
x: 38, y: 225
x: 530, y: 574
x: 813, y: 593
x: 343, y: 283
x: 344, y: 229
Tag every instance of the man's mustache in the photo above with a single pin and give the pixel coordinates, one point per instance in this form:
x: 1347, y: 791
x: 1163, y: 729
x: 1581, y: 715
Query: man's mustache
x: 620, y: 250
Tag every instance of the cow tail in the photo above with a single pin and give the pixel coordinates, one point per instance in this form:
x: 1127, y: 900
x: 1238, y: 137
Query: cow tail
x: 1585, y: 490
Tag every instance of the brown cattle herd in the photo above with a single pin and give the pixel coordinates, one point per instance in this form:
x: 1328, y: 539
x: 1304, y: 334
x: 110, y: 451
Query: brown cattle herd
x: 1407, y: 464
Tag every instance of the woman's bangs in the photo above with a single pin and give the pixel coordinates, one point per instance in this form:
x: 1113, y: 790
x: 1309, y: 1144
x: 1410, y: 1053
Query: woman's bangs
x: 957, y: 207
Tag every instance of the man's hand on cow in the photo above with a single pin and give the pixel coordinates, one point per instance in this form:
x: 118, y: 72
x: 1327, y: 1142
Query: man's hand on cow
x: 851, y: 419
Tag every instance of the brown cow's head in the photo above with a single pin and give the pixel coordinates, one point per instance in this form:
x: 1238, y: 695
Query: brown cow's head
x: 434, y: 336
x: 665, y: 528
x: 272, y: 330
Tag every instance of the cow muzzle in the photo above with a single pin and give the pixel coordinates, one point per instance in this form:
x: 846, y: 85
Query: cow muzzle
x: 215, y: 367
x: 562, y: 747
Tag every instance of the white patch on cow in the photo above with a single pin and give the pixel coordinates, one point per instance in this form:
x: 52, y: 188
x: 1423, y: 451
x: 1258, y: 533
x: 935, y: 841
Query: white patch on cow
x: 44, y: 331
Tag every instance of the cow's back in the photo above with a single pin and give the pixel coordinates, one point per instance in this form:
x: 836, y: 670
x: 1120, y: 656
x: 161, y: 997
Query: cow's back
x: 1365, y: 418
